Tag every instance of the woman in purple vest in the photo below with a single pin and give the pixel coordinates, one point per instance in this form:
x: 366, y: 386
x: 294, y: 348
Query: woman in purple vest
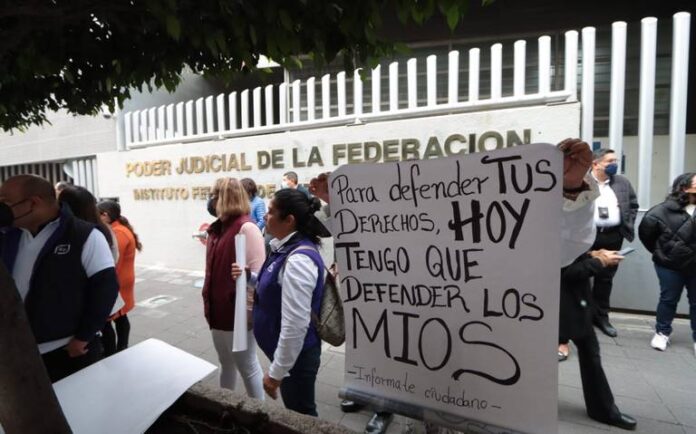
x: 289, y: 289
x: 230, y: 204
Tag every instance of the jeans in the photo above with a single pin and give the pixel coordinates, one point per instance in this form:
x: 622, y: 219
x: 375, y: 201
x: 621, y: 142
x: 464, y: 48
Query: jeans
x: 671, y: 285
x: 297, y: 389
x: 246, y: 362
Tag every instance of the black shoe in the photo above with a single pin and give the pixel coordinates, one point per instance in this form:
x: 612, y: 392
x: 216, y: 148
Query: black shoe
x: 623, y: 421
x: 379, y: 423
x: 348, y: 406
x: 606, y: 327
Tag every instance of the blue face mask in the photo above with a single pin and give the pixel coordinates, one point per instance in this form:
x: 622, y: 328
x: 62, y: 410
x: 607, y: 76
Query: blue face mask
x: 611, y: 169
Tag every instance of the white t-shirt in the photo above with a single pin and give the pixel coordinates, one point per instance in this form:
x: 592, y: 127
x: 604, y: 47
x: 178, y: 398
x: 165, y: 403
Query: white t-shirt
x: 690, y: 209
x: 96, y: 256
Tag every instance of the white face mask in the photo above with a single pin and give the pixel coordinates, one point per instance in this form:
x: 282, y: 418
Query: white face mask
x: 284, y: 184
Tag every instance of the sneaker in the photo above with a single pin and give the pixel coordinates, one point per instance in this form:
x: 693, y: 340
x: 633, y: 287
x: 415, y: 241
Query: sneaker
x: 659, y: 341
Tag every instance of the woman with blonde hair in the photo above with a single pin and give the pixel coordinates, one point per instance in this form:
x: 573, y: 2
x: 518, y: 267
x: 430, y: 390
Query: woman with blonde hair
x: 229, y: 203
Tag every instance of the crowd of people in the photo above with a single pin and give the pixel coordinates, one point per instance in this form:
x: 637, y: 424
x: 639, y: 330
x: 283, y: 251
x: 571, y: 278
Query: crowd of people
x: 72, y: 259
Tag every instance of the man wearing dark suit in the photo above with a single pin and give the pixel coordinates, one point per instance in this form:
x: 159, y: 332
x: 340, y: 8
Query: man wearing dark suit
x: 614, y: 216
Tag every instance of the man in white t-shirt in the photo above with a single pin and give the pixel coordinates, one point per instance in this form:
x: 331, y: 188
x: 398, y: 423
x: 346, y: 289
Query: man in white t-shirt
x: 64, y: 272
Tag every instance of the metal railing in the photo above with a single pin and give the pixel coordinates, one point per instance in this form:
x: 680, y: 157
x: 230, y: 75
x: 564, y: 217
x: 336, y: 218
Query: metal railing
x: 252, y: 112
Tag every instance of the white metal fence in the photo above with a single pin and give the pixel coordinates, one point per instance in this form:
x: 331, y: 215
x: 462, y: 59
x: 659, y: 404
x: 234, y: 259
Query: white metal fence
x: 253, y: 112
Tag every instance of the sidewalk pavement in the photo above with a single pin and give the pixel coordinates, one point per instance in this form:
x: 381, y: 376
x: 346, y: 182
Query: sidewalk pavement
x: 658, y: 389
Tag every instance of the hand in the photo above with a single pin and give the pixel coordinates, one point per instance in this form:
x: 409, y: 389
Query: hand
x: 237, y: 271
x: 608, y: 258
x: 271, y: 385
x: 577, y: 160
x: 319, y: 186
x: 76, y: 348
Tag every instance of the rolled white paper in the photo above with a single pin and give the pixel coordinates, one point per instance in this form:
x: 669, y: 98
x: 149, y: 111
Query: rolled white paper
x: 240, y: 300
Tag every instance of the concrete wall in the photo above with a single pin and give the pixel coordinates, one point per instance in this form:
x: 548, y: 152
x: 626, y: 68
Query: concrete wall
x: 66, y: 137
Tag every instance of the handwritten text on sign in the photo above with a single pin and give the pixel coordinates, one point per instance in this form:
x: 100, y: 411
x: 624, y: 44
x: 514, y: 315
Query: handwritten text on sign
x: 450, y: 277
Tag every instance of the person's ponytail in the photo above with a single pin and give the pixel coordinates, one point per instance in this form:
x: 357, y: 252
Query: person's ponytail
x: 124, y: 221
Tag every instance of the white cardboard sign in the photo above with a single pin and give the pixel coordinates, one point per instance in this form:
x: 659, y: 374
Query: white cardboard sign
x: 450, y: 275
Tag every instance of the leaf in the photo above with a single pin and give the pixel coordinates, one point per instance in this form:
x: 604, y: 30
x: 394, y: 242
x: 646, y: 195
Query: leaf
x: 173, y: 27
x: 285, y: 19
x: 452, y: 17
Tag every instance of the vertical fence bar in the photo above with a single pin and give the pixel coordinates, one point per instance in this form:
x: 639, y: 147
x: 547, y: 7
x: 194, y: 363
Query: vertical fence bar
x: 341, y: 91
x: 326, y: 96
x: 311, y: 88
x: 143, y: 125
x: 137, y: 134
x: 152, y: 124
x: 283, y: 103
x: 588, y: 78
x: 646, y: 108
x: 496, y: 70
x: 431, y: 74
x: 200, y: 116
x: 127, y: 119
x: 571, y: 63
x: 244, y: 108
x: 232, y: 105
x: 680, y: 83
x: 474, y: 64
x: 618, y: 83
x: 296, y: 101
x: 209, y: 115
x: 453, y: 77
x: 257, y: 106
x: 520, y: 48
x: 189, y: 118
x: 411, y: 82
x: 89, y: 175
x: 159, y: 131
x: 393, y: 86
x: 268, y: 90
x: 375, y: 82
x: 179, y: 120
x: 220, y: 103
x: 169, y: 132
x: 357, y: 93
x: 544, y: 65
x: 82, y: 171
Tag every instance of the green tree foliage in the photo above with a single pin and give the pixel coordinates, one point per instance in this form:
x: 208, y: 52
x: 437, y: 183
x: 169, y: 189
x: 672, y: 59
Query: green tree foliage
x: 80, y: 55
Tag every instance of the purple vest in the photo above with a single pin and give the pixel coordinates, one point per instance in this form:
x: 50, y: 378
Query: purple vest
x: 268, y: 298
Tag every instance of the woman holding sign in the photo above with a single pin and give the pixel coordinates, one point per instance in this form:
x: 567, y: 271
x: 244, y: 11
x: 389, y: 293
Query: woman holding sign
x: 289, y: 290
x: 229, y: 202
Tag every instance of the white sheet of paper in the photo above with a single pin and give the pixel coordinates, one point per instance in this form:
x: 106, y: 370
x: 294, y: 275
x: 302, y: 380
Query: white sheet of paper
x: 240, y: 313
x: 127, y: 392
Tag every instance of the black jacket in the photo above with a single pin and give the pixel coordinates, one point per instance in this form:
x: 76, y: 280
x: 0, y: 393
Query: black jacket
x: 62, y: 301
x: 669, y: 233
x: 628, y: 204
x: 576, y: 297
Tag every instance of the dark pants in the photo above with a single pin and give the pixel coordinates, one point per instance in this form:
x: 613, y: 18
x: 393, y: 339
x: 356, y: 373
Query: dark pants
x: 118, y: 341
x: 671, y: 285
x: 60, y: 365
x: 599, y: 401
x: 601, y: 290
x: 297, y: 390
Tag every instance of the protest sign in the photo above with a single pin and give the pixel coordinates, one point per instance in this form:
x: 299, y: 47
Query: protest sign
x: 450, y: 276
